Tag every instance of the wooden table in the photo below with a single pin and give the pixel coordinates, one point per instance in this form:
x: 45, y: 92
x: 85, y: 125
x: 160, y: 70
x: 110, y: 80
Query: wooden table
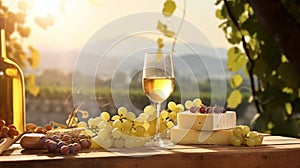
x: 275, y: 151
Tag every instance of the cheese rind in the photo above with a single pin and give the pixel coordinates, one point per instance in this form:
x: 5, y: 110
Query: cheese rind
x: 198, y: 121
x: 188, y: 136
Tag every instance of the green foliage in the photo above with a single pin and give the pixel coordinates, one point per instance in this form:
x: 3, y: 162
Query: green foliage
x: 167, y: 11
x: 274, y: 82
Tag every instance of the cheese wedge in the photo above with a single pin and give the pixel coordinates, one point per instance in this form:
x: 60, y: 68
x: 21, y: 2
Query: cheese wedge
x: 198, y: 121
x: 188, y: 136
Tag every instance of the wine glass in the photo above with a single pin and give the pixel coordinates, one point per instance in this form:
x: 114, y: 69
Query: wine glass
x: 158, y: 83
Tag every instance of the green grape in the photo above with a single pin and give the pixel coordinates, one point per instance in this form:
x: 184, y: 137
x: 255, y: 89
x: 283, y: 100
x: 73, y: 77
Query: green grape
x: 101, y: 124
x: 231, y: 139
x: 237, y: 131
x: 170, y: 124
x: 122, y: 111
x: 250, y: 142
x: 172, y: 105
x: 91, y: 122
x: 126, y: 131
x: 146, y: 125
x: 108, y: 127
x: 97, y: 120
x: 82, y: 124
x: 257, y: 140
x: 139, y: 131
x: 117, y: 124
x: 127, y: 124
x: 164, y: 114
x: 105, y: 116
x: 197, y: 102
x: 119, y: 143
x: 89, y: 132
x: 131, y: 116
x: 143, y: 116
x: 129, y: 143
x: 179, y: 108
x: 245, y: 130
x: 116, y: 133
x: 96, y: 139
x: 236, y: 142
x: 252, y: 134
x: 115, y: 117
x: 150, y: 110
x: 106, y: 142
x: 103, y: 133
x: 188, y: 104
x: 172, y: 116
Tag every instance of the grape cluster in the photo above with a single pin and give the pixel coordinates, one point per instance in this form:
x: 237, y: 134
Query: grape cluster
x: 65, y: 144
x: 168, y: 117
x: 125, y: 129
x: 7, y: 131
x: 121, y: 130
x: 243, y: 136
x: 196, y: 106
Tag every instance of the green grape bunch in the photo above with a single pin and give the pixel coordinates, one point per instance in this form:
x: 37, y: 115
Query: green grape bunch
x: 242, y: 135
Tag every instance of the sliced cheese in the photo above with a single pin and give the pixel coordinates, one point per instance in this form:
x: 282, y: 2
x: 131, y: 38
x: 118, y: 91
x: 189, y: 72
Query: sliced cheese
x: 188, y: 136
x: 198, y: 121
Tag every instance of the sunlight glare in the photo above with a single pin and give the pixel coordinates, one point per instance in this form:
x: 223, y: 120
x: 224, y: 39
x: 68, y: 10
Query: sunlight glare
x: 47, y: 7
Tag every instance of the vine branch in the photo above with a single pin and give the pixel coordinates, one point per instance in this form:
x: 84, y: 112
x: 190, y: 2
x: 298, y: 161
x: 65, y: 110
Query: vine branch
x: 180, y: 25
x: 251, y: 61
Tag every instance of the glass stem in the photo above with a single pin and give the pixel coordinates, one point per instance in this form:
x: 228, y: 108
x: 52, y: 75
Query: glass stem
x: 157, y: 134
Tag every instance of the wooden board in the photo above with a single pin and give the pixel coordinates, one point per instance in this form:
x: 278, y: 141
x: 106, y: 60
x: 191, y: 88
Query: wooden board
x: 276, y: 151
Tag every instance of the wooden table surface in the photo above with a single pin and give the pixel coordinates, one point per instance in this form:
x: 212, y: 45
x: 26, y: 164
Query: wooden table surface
x: 276, y: 151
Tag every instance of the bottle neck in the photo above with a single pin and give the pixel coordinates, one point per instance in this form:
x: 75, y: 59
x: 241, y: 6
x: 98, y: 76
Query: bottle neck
x: 2, y: 44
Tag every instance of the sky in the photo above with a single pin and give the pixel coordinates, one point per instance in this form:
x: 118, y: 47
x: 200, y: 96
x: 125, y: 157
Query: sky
x: 81, y: 19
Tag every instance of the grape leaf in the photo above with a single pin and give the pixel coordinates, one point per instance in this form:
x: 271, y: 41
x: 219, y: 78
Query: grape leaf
x: 161, y: 27
x: 44, y: 22
x: 236, y: 81
x: 31, y: 85
x: 288, y: 108
x: 169, y: 33
x: 24, y: 31
x: 34, y: 57
x: 160, y: 43
x: 169, y: 8
x: 236, y: 59
x: 234, y: 99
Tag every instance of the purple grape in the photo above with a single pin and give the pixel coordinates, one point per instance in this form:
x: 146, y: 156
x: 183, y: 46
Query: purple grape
x: 55, y: 138
x: 193, y: 109
x: 43, y: 139
x: 66, y: 138
x: 202, y: 109
x: 71, y: 148
x: 52, y: 146
x: 64, y: 150
x: 77, y: 146
x: 61, y: 143
x: 85, y: 143
x: 208, y: 110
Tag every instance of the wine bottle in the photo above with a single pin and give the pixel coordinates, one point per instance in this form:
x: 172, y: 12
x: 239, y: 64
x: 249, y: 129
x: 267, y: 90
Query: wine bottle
x: 12, y: 89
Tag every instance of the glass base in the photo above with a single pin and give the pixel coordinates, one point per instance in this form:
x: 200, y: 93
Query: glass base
x: 162, y: 143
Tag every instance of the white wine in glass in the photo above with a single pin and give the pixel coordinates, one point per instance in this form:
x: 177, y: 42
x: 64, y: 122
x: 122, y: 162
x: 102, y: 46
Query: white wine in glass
x: 158, y: 84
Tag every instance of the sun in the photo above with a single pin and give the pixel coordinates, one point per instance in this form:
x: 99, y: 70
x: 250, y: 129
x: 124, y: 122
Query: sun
x: 47, y: 7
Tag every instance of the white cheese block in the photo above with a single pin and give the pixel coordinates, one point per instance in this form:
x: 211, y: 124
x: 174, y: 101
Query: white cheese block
x: 214, y: 121
x: 188, y: 136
